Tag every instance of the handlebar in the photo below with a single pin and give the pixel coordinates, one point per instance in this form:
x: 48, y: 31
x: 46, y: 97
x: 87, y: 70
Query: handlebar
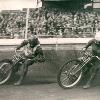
x: 16, y: 51
x: 89, y: 54
x: 82, y: 52
x: 85, y: 53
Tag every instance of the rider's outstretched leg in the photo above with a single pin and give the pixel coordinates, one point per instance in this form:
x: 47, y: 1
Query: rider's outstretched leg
x: 24, y: 69
x: 93, y: 74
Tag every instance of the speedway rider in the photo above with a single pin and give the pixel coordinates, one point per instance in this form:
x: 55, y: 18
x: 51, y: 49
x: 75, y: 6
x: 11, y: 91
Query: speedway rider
x: 34, y: 52
x: 95, y: 44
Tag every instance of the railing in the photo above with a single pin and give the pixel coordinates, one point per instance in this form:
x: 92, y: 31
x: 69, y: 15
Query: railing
x: 72, y: 32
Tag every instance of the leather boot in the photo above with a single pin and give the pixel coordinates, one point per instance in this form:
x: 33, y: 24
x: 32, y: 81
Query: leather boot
x: 86, y: 86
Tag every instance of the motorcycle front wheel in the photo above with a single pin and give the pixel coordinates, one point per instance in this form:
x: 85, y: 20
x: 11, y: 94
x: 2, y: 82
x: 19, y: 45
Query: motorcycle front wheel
x: 69, y: 74
x: 5, y: 71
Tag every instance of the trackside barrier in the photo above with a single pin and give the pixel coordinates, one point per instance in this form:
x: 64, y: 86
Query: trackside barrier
x: 7, y: 44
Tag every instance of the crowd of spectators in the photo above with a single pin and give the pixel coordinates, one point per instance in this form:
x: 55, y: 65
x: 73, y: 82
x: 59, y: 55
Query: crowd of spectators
x: 50, y: 22
x: 12, y: 24
x: 69, y: 23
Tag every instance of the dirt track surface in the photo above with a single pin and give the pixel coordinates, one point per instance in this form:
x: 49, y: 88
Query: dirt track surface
x: 47, y: 91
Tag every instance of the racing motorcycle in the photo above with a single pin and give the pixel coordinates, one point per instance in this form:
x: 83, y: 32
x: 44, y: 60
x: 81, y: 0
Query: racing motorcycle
x: 70, y: 74
x: 8, y: 67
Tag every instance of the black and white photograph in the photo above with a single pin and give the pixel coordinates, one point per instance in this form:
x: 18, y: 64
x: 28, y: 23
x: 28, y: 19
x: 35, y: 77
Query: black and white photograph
x: 49, y: 49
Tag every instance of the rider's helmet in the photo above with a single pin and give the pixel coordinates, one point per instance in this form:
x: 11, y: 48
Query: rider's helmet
x: 33, y: 39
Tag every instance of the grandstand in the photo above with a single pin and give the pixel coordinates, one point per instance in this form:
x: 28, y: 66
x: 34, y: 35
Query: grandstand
x: 63, y: 18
